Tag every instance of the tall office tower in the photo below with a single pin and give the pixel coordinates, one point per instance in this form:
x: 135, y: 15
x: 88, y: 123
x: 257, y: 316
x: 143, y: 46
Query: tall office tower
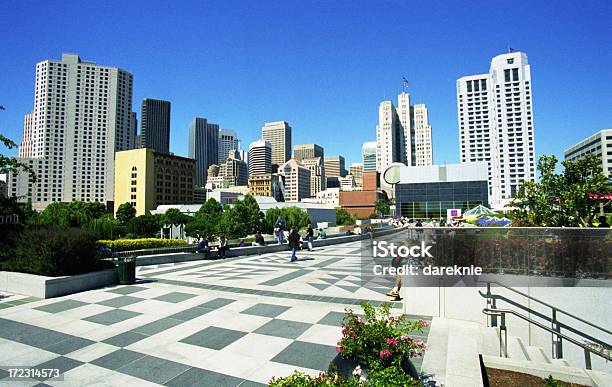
x: 307, y: 151
x: 82, y: 115
x: 260, y: 157
x: 389, y: 136
x: 279, y: 135
x: 496, y: 124
x: 356, y: 170
x: 203, y: 147
x: 213, y: 170
x: 228, y: 140
x: 234, y: 171
x: 335, y: 166
x: 423, y: 152
x: 368, y: 154
x: 317, y: 174
x: 155, y: 125
x: 399, y: 138
x: 296, y: 180
x: 599, y: 143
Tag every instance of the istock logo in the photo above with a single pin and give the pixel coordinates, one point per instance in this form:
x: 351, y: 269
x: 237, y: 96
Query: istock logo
x: 384, y: 249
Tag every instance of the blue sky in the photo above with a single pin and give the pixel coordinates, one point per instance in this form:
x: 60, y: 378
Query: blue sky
x: 323, y: 66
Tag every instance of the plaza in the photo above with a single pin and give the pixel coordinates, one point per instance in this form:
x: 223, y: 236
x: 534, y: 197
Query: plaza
x: 234, y: 322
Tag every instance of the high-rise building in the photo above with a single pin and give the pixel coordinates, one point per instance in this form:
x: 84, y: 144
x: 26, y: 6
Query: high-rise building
x: 296, y: 180
x: 279, y: 135
x: 228, y: 140
x: 307, y: 151
x: 155, y: 125
x: 403, y: 134
x: 147, y: 178
x: 600, y: 144
x: 203, y: 147
x: 234, y: 171
x: 260, y: 157
x: 134, y: 140
x: 423, y: 144
x: 317, y: 174
x: 213, y: 170
x: 495, y: 117
x: 356, y: 170
x: 71, y: 151
x: 335, y: 166
x: 368, y: 154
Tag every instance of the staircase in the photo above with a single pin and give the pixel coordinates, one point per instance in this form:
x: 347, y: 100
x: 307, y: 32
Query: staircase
x: 455, y: 345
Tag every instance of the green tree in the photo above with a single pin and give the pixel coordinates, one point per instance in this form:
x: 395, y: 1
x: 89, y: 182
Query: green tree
x: 125, y: 212
x: 382, y: 207
x: 343, y: 217
x: 561, y: 199
x: 294, y: 217
x: 144, y: 226
x: 241, y: 219
x: 206, y: 221
x: 175, y: 216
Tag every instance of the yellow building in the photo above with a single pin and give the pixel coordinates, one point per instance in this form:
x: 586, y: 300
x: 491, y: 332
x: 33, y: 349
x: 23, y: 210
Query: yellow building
x: 147, y: 178
x: 265, y: 185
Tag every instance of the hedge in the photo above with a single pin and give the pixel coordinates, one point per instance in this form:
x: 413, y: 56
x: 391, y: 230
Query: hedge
x: 140, y: 244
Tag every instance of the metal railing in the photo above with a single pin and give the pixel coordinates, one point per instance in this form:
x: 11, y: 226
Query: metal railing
x: 557, y: 337
x: 503, y: 343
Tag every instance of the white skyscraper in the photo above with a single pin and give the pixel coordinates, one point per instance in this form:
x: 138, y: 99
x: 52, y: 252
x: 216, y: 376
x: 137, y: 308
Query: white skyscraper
x: 496, y: 124
x: 82, y: 114
x: 228, y: 140
x: 423, y: 153
x: 403, y: 134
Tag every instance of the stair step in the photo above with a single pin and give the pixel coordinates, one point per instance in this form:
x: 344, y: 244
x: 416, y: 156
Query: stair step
x: 490, y: 341
x: 537, y: 354
x: 516, y: 349
x: 562, y: 362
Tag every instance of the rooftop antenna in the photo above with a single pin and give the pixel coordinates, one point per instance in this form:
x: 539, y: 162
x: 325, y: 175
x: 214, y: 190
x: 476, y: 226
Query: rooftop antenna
x: 511, y: 50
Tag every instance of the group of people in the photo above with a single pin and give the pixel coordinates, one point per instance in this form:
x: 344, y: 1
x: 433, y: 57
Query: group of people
x: 205, y: 248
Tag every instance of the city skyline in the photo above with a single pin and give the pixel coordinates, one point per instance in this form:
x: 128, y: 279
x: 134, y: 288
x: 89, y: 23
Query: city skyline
x: 238, y: 98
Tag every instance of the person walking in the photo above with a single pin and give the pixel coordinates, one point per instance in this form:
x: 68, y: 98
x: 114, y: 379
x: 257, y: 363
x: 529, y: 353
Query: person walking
x: 309, y: 236
x: 294, y: 243
x: 223, y: 247
x: 279, y: 226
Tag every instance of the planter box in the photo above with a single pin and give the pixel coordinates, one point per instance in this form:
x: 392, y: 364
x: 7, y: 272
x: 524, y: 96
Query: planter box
x: 47, y: 287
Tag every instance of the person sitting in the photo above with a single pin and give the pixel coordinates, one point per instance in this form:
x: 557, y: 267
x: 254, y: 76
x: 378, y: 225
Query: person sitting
x: 322, y: 234
x: 203, y: 247
x: 223, y: 247
x: 259, y: 239
x: 242, y: 244
x: 603, y: 222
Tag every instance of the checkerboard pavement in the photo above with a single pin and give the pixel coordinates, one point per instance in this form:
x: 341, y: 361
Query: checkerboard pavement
x: 235, y: 322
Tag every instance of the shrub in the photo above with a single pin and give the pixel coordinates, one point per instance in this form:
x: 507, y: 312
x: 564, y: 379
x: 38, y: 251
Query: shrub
x: 53, y: 252
x: 141, y: 244
x: 343, y: 217
x: 380, y: 337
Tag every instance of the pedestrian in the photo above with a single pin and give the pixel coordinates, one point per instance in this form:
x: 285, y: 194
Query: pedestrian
x: 223, y: 247
x: 259, y: 239
x: 203, y: 247
x: 294, y: 243
x: 280, y: 225
x: 393, y: 294
x: 309, y: 236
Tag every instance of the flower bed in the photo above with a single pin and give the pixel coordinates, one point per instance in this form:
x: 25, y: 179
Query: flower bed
x: 373, y: 351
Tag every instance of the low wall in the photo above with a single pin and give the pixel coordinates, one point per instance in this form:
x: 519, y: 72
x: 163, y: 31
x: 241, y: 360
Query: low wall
x: 158, y: 259
x: 47, y: 287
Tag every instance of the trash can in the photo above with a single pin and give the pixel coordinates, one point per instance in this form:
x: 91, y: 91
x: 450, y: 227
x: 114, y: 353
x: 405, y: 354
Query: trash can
x: 127, y: 271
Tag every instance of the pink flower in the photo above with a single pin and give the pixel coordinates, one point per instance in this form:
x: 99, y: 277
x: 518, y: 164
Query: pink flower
x: 419, y: 342
x: 392, y: 341
x: 337, y: 349
x: 424, y: 323
x: 357, y: 371
x: 405, y: 337
x: 385, y: 354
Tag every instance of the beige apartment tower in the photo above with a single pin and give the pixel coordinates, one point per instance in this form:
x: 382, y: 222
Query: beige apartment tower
x: 279, y: 135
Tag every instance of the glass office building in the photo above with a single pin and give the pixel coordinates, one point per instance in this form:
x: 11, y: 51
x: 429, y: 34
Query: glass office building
x: 425, y: 192
x: 431, y: 200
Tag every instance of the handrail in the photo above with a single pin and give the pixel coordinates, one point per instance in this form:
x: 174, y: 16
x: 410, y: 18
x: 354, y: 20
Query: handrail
x: 587, y: 349
x: 548, y: 305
